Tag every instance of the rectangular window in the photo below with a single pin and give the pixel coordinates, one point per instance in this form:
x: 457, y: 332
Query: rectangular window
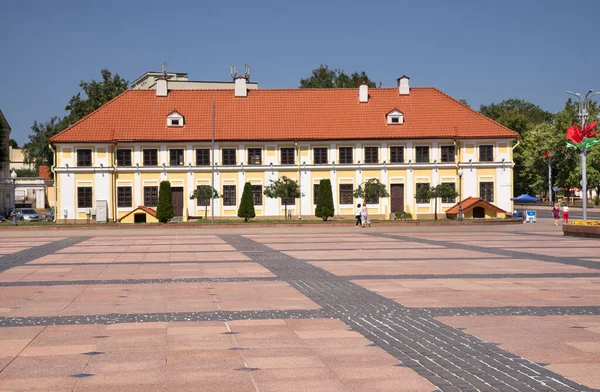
x: 422, y: 153
x: 371, y: 154
x: 124, y: 196
x: 84, y: 197
x: 288, y: 155
x: 397, y: 154
x: 176, y: 157
x: 289, y: 201
x: 257, y: 195
x: 124, y: 157
x: 320, y: 154
x: 255, y: 156
x: 448, y: 153
x: 346, y: 155
x: 346, y: 191
x: 419, y: 186
x: 486, y: 153
x: 486, y: 191
x: 315, y: 193
x: 84, y: 157
x: 202, y: 157
x: 151, y: 157
x: 202, y: 202
x: 228, y: 156
x: 229, y: 194
x: 449, y: 199
x: 151, y: 196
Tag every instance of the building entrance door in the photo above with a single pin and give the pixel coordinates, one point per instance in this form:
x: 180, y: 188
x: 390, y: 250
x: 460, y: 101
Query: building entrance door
x: 397, y: 197
x: 177, y: 196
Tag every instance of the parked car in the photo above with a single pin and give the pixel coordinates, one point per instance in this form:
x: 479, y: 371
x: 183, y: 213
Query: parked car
x: 2, y: 218
x: 28, y: 215
x: 49, y: 215
x: 6, y: 212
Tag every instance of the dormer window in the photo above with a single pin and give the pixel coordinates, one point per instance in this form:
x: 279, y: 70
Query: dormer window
x: 395, y: 117
x: 175, y: 120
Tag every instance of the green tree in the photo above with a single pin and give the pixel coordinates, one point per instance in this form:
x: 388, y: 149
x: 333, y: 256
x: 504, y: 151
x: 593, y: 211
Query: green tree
x: 284, y: 188
x: 246, y: 209
x: 324, y: 207
x: 524, y: 118
x: 164, y: 212
x: 205, y: 194
x: 324, y: 77
x: 24, y: 173
x: 13, y: 143
x: 97, y: 94
x: 36, y: 150
x: 440, y: 190
x: 373, y: 190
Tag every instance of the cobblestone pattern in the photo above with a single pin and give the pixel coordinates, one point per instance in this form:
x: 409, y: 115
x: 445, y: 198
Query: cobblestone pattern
x: 116, y: 318
x: 477, y: 276
x: 25, y: 256
x: 496, y: 251
x: 134, y: 281
x: 141, y: 262
x: 514, y: 311
x: 447, y: 357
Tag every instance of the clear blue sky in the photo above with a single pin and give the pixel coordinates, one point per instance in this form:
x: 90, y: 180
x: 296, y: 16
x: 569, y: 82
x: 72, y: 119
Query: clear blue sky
x: 481, y: 51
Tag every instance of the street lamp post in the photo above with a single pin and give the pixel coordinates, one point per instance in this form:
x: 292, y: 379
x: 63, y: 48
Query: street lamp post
x: 13, y: 176
x: 460, y: 211
x: 583, y: 114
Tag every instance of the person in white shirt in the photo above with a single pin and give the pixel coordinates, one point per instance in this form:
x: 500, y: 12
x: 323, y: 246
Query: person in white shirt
x: 358, y: 214
x: 566, y: 214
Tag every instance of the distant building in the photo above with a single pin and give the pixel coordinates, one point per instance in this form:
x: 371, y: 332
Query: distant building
x: 180, y: 81
x: 17, y: 159
x: 5, y: 182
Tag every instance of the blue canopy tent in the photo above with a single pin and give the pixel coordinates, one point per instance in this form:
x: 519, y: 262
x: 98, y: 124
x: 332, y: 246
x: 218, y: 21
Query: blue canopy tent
x: 525, y: 199
x: 528, y: 216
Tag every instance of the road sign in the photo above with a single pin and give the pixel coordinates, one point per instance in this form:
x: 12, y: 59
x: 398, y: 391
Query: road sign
x: 555, y: 189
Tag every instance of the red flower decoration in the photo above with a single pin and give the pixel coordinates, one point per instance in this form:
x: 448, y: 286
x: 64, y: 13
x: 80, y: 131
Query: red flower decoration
x: 546, y: 154
x: 576, y: 134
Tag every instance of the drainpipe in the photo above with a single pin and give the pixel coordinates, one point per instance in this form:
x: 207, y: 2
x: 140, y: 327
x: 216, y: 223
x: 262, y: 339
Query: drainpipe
x: 114, y: 176
x: 515, y: 146
x: 56, y: 211
x: 299, y: 180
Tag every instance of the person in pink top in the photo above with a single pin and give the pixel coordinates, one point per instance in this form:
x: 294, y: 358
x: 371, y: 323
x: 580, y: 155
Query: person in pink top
x: 556, y: 213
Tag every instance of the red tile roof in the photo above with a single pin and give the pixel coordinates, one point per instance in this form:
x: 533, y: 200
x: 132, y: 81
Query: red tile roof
x: 294, y: 114
x: 472, y: 202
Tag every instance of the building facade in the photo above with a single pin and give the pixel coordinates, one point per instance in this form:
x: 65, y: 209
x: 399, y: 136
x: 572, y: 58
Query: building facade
x: 6, y: 185
x: 116, y: 157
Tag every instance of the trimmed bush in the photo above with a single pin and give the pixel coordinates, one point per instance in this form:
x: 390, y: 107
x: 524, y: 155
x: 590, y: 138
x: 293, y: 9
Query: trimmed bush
x: 324, y: 200
x: 246, y: 209
x: 164, y: 212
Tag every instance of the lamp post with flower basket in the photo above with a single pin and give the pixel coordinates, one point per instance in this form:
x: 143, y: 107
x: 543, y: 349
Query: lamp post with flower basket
x: 581, y: 139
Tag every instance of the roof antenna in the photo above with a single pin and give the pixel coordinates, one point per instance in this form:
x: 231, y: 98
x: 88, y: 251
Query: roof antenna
x: 164, y: 70
x: 247, y: 72
x: 232, y: 71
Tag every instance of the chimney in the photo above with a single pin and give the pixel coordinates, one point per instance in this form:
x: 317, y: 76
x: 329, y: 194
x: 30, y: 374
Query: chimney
x: 161, y: 87
x: 240, y: 87
x: 403, y: 88
x: 363, y: 92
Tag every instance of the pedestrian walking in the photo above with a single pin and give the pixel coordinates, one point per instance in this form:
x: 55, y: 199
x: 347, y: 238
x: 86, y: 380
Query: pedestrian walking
x: 556, y: 213
x: 358, y: 214
x: 364, y: 215
x: 566, y: 214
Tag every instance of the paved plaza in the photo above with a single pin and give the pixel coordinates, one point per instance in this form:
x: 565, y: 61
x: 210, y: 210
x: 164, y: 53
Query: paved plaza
x: 511, y: 308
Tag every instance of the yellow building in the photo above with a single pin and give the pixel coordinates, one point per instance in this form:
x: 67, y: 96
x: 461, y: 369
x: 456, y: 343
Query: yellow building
x: 113, y: 160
